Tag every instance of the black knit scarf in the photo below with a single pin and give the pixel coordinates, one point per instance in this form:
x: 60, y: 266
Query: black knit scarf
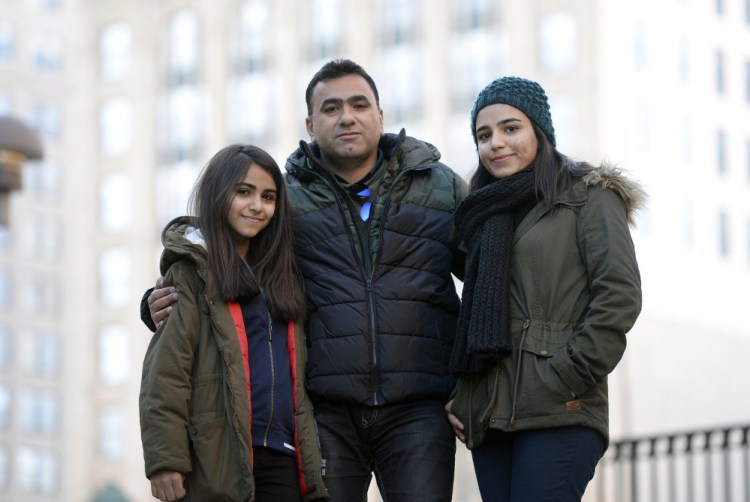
x: 485, y: 222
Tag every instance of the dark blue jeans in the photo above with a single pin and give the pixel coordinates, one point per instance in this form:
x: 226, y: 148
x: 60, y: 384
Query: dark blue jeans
x: 537, y: 465
x: 410, y: 447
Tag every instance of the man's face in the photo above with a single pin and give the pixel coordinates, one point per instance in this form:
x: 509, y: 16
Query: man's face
x: 346, y: 123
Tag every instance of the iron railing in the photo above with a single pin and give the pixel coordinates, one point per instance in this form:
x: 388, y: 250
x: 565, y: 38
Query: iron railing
x: 698, y: 466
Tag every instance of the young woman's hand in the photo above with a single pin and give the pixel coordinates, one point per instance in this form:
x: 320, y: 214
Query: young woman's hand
x: 168, y: 486
x: 458, y: 427
x: 160, y: 302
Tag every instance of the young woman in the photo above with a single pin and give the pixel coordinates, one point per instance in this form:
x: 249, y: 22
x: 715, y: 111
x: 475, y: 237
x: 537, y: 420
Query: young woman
x: 224, y: 414
x: 551, y: 288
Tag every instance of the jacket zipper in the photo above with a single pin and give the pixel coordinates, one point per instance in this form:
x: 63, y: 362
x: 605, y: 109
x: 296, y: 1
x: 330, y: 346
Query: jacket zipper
x: 526, y: 324
x: 273, y: 379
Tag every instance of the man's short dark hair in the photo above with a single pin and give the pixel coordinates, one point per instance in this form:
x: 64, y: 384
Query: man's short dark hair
x: 336, y: 69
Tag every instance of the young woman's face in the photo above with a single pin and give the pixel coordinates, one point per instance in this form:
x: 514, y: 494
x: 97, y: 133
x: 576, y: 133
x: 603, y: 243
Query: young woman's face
x: 506, y: 141
x: 253, y: 205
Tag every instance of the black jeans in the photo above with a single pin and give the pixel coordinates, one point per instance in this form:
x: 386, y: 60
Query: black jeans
x: 537, y: 465
x: 410, y: 447
x: 275, y: 476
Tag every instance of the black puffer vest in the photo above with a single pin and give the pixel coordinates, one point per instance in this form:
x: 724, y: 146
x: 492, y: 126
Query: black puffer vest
x: 382, y: 321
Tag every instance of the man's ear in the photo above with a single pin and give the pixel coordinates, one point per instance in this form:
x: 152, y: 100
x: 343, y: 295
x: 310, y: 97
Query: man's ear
x: 310, y: 131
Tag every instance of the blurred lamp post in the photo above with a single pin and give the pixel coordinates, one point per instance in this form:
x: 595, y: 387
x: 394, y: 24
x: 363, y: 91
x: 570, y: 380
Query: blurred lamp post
x: 18, y: 143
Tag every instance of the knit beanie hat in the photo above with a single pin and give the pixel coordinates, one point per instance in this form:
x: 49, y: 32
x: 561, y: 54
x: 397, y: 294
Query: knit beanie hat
x: 526, y: 95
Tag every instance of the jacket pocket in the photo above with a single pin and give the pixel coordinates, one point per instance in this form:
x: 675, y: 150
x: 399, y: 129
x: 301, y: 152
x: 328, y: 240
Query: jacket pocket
x: 217, y: 471
x: 473, y: 401
x: 541, y: 392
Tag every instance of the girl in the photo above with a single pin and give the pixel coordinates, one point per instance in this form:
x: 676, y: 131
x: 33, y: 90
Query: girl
x: 224, y: 414
x: 551, y: 288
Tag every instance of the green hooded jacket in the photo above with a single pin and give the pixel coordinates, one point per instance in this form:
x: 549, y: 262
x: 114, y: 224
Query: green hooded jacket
x: 195, y: 389
x: 575, y: 293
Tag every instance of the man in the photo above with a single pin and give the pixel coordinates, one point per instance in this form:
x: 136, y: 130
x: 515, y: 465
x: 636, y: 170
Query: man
x: 374, y: 239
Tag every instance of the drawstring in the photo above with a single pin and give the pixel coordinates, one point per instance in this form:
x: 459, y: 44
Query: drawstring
x: 526, y: 324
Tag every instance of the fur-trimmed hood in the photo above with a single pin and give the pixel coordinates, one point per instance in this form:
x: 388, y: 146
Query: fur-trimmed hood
x: 610, y: 176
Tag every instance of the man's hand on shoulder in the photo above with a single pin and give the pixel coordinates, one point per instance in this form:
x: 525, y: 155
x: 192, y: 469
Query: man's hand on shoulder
x: 160, y: 302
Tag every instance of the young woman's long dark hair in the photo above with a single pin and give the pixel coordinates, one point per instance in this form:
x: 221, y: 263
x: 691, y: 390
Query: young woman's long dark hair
x: 271, y: 252
x: 552, y: 170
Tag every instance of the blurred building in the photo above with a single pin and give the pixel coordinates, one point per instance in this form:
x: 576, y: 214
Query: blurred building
x: 132, y: 98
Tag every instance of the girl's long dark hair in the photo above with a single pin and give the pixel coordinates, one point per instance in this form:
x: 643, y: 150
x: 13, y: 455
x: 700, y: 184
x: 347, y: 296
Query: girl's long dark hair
x: 271, y: 252
x: 552, y: 170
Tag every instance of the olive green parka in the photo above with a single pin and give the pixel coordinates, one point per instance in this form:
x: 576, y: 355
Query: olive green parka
x: 575, y: 291
x: 195, y: 389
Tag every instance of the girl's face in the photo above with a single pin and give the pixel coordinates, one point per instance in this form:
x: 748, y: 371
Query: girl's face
x: 252, y: 206
x: 506, y: 141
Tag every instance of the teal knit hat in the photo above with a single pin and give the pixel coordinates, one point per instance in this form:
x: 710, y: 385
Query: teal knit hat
x: 526, y: 95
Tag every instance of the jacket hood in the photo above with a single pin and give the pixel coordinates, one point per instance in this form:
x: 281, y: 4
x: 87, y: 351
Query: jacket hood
x: 182, y: 239
x: 414, y: 153
x: 611, y: 177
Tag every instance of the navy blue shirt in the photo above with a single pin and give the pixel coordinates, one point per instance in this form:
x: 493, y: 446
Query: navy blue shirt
x: 271, y: 386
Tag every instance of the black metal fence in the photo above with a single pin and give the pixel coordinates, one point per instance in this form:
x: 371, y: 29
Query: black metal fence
x: 698, y: 466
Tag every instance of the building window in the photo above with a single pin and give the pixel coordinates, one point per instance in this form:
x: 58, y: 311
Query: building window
x: 46, y: 52
x: 639, y: 46
x: 724, y: 238
x: 116, y: 202
x: 45, y: 117
x: 5, y: 288
x: 475, y: 59
x: 43, y: 178
x: 41, y: 294
x: 46, y: 237
x: 686, y: 142
x: 257, y: 92
x: 39, y: 410
x: 470, y: 15
x: 396, y: 22
x: 720, y: 80
x: 251, y: 87
x: 4, y: 481
x: 721, y: 152
x: 558, y: 41
x: 112, y: 433
x: 115, y: 44
x: 250, y: 43
x: 324, y: 28
x: 114, y: 354
x: 688, y: 225
x: 5, y: 406
x: 184, y: 112
x: 114, y: 278
x: 401, y: 89
x: 747, y: 81
x: 747, y: 11
x: 40, y: 353
x: 183, y: 47
x: 719, y: 4
x: 50, y: 4
x: 7, y: 41
x: 6, y: 104
x: 683, y: 61
x: 116, y: 127
x: 6, y: 348
x: 174, y: 183
x: 37, y: 470
x: 397, y: 63
x: 565, y: 117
